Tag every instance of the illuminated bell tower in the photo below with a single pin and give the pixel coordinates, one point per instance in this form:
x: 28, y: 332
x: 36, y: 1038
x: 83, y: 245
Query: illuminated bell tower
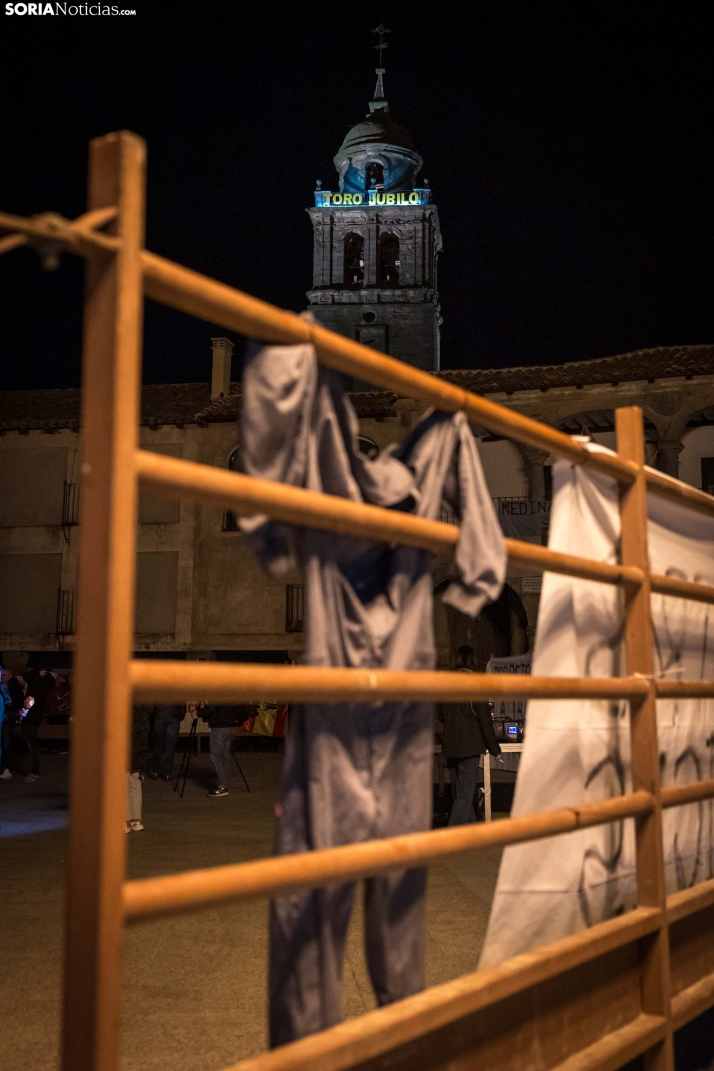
x: 376, y: 242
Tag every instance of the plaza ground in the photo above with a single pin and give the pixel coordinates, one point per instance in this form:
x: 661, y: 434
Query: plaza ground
x: 195, y: 985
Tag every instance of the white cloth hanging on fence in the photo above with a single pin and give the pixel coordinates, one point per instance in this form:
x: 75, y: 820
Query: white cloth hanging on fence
x: 578, y: 751
x: 355, y: 771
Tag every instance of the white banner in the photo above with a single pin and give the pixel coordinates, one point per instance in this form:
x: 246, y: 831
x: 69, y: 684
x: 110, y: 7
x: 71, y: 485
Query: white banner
x: 509, y: 711
x: 189, y: 718
x: 579, y: 751
x: 524, y: 518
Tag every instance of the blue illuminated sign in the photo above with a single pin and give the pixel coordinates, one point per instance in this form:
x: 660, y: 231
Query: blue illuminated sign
x: 512, y: 730
x: 372, y: 199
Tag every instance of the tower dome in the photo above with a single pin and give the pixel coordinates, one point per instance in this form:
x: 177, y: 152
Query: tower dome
x: 377, y: 153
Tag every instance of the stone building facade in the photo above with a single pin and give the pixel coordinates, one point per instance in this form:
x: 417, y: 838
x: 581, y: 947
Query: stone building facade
x: 200, y: 591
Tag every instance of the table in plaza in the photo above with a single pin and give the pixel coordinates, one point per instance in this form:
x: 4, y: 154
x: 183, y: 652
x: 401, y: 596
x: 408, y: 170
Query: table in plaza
x: 505, y: 749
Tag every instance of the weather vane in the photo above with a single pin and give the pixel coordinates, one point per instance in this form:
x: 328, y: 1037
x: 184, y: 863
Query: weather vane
x: 381, y: 30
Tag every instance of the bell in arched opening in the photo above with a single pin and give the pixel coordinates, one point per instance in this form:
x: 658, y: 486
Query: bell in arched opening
x: 374, y: 176
x: 354, y: 260
x: 389, y: 260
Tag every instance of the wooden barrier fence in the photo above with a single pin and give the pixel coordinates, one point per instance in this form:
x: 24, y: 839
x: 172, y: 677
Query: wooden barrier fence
x: 591, y: 1001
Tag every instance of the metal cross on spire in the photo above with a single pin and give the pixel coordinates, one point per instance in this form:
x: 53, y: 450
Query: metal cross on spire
x: 381, y: 30
x: 379, y: 89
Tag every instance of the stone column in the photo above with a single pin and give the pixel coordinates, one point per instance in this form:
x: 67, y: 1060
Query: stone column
x: 533, y: 461
x: 339, y: 233
x: 318, y: 255
x: 371, y: 243
x: 668, y: 456
x: 419, y: 250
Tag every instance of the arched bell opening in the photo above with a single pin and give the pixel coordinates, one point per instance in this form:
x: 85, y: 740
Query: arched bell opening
x: 374, y: 176
x: 354, y: 261
x: 389, y: 263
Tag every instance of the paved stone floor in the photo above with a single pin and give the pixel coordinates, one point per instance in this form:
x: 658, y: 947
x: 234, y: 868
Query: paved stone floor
x: 194, y: 986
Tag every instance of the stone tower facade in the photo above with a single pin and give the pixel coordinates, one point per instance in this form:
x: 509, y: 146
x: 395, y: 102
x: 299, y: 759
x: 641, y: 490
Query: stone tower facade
x: 376, y: 243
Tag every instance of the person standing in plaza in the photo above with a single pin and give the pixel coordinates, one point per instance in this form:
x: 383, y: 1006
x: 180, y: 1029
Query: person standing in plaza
x: 29, y: 724
x: 11, y: 699
x: 5, y: 704
x: 137, y: 764
x: 222, y: 721
x: 40, y: 684
x: 468, y: 734
x: 167, y: 721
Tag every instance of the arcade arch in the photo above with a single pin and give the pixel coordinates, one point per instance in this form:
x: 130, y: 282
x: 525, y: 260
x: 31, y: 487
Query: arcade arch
x: 600, y: 425
x: 500, y: 630
x: 696, y: 460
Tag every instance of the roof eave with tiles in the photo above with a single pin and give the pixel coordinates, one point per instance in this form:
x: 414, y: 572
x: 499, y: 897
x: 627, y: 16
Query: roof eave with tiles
x: 190, y: 403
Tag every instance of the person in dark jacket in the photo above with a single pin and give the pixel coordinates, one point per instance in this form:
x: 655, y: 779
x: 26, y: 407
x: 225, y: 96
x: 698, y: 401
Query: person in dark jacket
x: 222, y: 721
x: 29, y: 735
x: 166, y: 733
x: 11, y: 699
x: 468, y: 734
x: 40, y: 683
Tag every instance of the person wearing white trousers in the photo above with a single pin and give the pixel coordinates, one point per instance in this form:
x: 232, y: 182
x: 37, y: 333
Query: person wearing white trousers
x: 137, y: 765
x: 134, y: 799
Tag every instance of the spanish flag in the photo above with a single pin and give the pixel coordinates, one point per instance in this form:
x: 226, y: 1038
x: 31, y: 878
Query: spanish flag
x: 269, y: 720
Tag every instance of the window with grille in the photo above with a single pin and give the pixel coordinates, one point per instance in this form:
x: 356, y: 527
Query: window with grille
x: 70, y: 505
x: 70, y: 508
x: 65, y: 612
x: 295, y: 608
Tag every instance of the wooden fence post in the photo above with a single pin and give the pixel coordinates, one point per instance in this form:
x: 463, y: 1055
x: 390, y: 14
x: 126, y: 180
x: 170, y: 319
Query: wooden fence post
x: 651, y: 892
x: 101, y: 704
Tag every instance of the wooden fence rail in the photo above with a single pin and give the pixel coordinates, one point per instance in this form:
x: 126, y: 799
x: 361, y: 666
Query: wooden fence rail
x: 237, y: 682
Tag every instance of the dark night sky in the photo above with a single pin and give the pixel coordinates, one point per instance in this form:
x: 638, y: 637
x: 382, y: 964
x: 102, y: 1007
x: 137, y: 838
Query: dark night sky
x: 569, y: 155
